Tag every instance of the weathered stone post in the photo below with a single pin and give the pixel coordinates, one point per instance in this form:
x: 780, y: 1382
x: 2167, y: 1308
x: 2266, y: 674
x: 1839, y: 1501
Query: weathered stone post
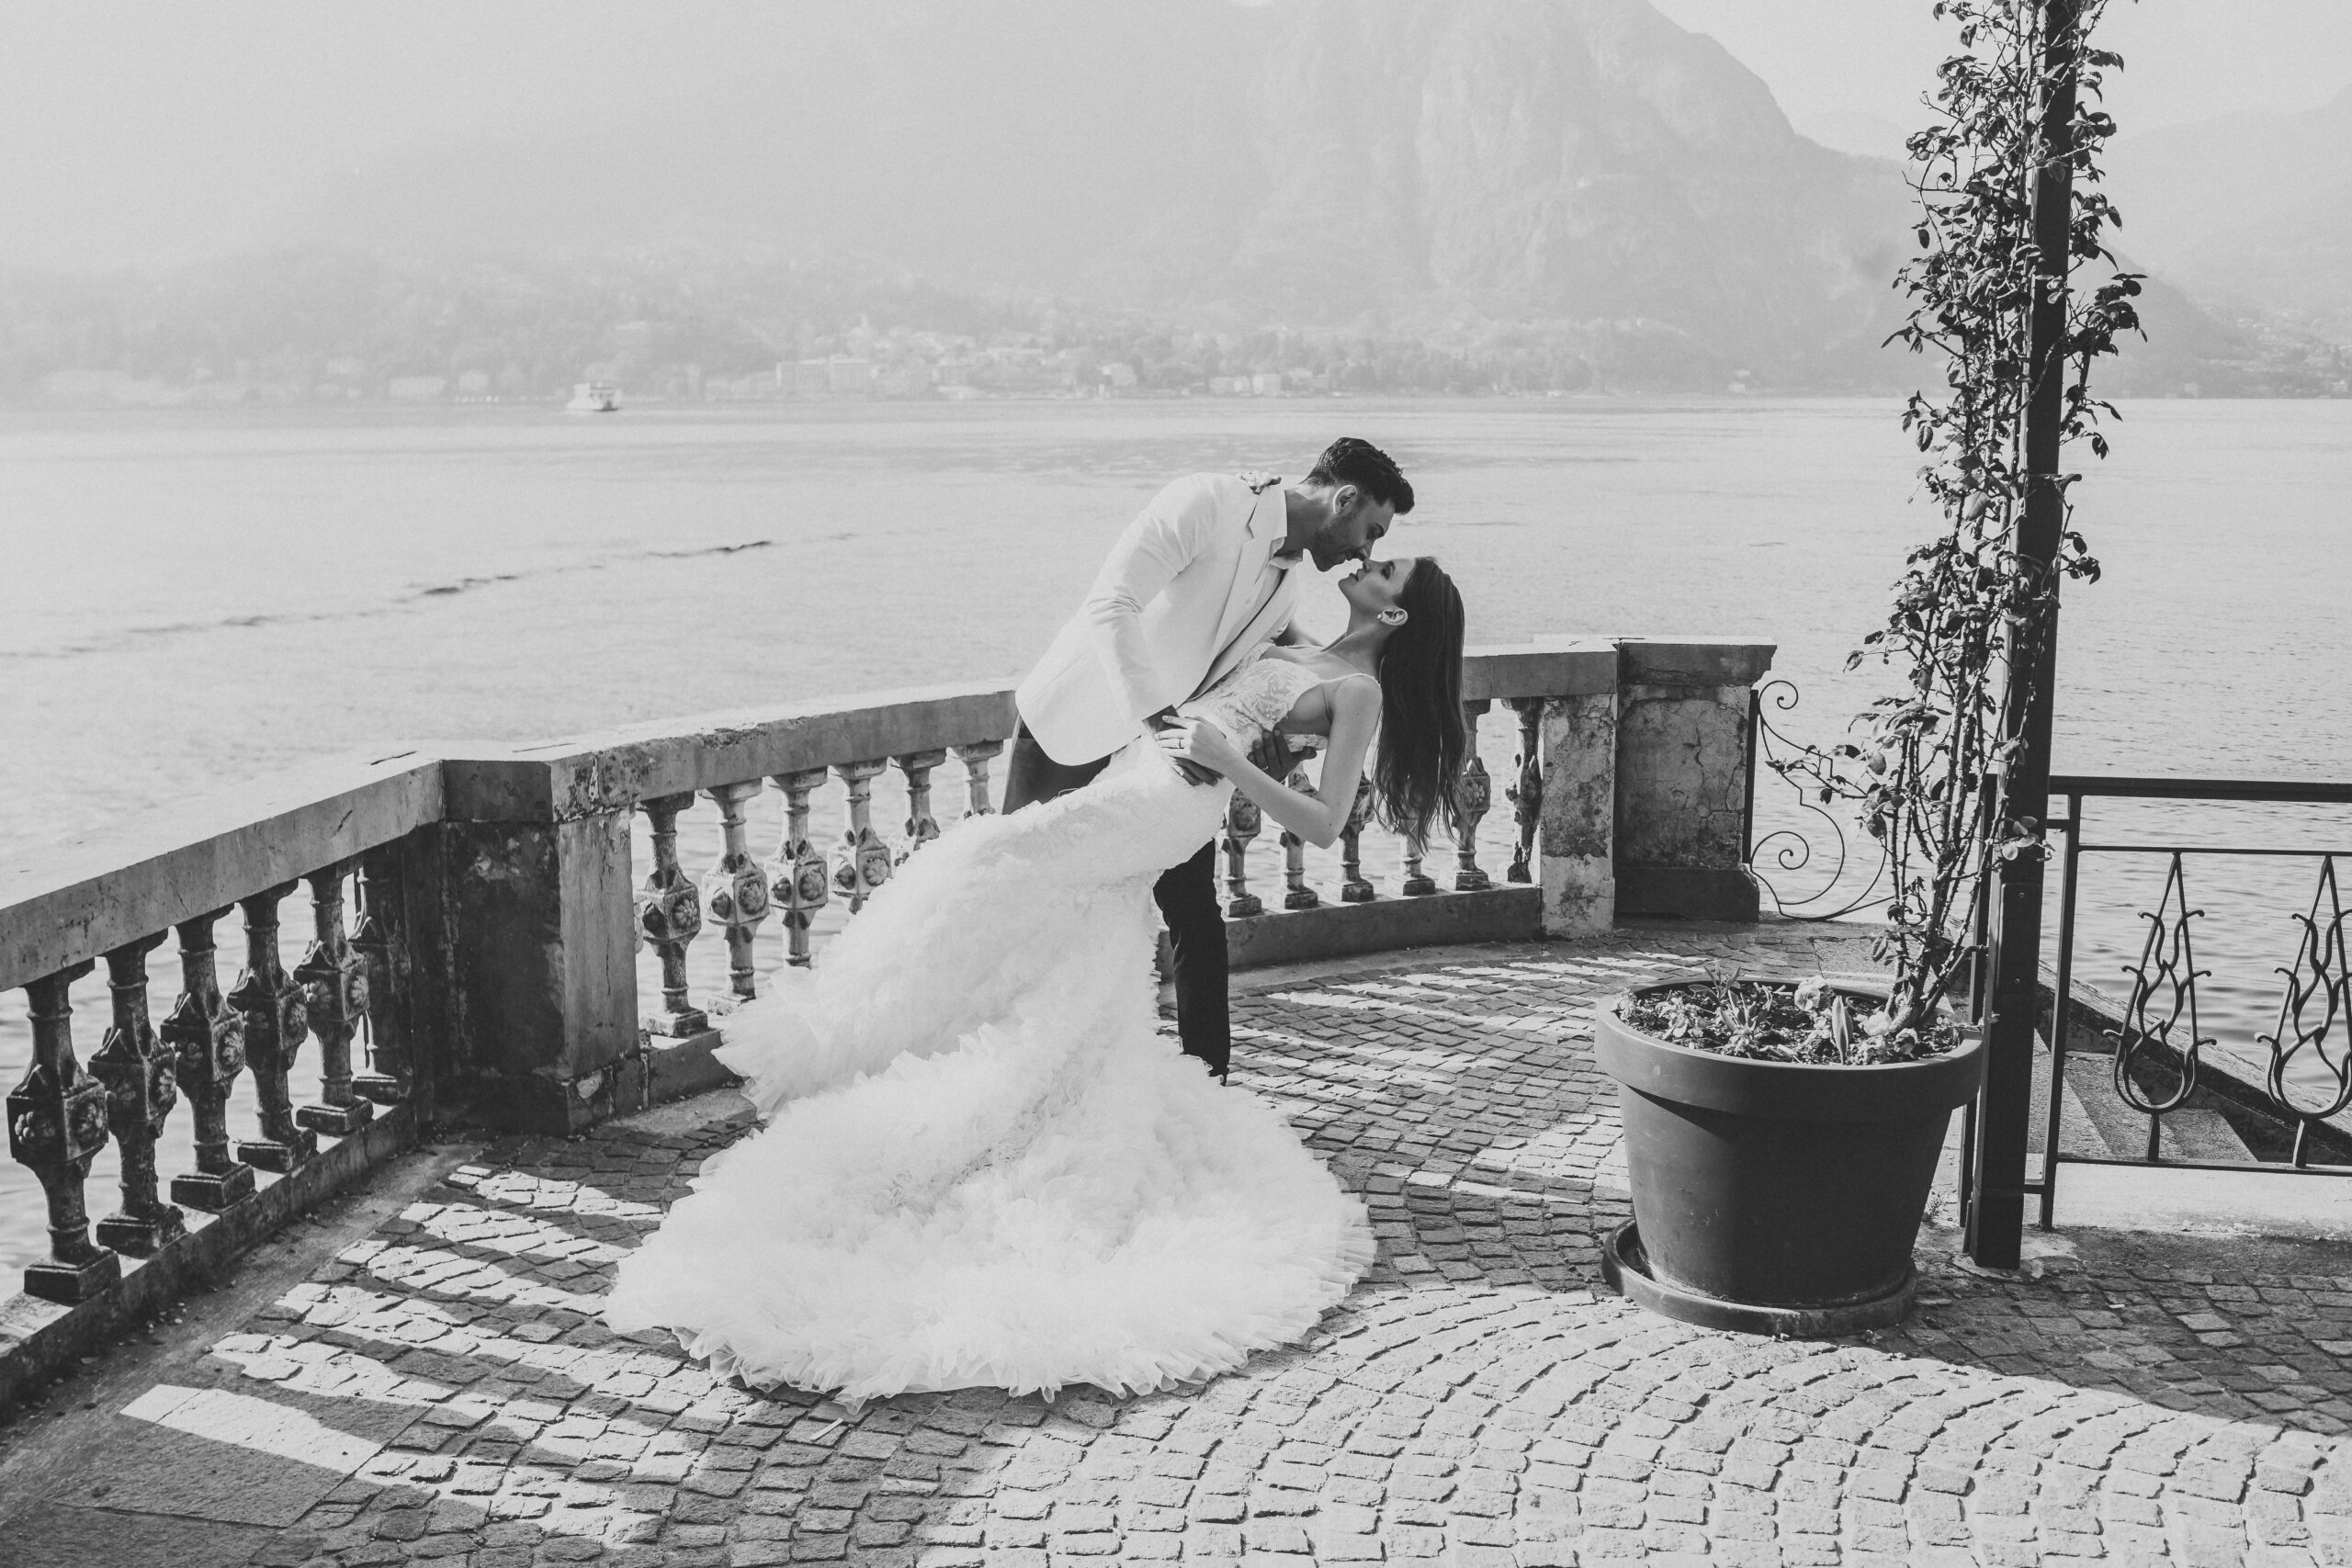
x: 1576, y: 810
x: 536, y: 938
x: 1683, y: 733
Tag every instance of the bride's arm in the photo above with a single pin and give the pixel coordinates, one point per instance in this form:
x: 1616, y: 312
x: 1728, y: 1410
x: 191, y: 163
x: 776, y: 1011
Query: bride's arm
x: 1317, y: 817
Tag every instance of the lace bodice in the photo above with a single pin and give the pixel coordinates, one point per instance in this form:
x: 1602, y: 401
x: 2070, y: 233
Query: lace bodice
x: 1255, y: 698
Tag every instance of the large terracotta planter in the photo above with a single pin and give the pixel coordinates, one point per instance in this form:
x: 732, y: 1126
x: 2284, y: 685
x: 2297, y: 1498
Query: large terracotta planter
x: 1786, y: 1195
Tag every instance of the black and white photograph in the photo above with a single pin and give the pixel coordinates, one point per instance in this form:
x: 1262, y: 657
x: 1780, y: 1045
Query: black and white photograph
x: 1013, y: 784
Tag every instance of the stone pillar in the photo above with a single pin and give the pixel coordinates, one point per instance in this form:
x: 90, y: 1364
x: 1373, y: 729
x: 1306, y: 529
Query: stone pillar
x: 1576, y: 826
x: 1683, y: 733
x: 1572, y: 682
x: 537, y: 937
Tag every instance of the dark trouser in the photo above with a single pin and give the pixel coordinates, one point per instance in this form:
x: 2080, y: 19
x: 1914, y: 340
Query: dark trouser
x: 1187, y: 898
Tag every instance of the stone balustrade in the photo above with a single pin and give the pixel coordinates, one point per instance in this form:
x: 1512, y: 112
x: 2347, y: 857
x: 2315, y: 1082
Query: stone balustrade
x: 294, y: 1038
x: 476, y: 921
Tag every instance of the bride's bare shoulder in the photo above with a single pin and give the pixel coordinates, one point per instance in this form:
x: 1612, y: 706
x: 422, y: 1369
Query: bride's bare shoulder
x: 1320, y: 704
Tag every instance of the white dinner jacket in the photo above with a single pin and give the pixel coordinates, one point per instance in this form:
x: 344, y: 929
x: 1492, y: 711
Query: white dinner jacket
x: 1175, y: 606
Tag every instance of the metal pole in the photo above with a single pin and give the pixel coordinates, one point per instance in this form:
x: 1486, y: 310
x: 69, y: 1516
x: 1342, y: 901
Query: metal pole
x: 1980, y: 968
x: 1996, y: 1217
x: 2069, y: 871
x: 1748, y: 787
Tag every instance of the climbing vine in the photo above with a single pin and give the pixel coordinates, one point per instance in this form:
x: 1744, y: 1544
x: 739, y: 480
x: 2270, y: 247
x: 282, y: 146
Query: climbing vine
x: 1924, y: 764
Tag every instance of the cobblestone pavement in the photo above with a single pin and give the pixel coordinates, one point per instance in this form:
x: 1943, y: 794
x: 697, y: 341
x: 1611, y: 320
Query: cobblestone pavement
x: 445, y: 1393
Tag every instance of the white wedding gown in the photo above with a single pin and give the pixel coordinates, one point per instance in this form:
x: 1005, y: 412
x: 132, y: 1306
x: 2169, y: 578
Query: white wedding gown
x: 982, y: 1164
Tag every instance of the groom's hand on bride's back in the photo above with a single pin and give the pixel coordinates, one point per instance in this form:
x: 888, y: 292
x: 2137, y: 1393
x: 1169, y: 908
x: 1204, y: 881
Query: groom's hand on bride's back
x: 1198, y: 772
x: 1274, y: 756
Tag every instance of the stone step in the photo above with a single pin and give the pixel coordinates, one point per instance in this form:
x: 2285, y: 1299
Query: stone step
x: 2078, y: 1133
x: 2096, y: 1121
x: 2190, y: 1134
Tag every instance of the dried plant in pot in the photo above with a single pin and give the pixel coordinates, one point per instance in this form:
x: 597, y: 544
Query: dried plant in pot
x: 1781, y: 1149
x: 1780, y: 1140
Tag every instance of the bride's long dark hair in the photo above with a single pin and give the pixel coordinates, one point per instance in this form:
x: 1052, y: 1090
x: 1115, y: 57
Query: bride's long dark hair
x: 1419, y: 762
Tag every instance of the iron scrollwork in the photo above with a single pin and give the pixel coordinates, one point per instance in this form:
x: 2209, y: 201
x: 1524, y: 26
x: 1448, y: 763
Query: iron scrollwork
x: 2319, y: 981
x: 2164, y: 995
x: 1787, y: 849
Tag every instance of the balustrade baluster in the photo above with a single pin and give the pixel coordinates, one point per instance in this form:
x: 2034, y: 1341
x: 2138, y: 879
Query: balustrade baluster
x: 275, y: 1021
x: 975, y: 759
x: 1526, y: 796
x: 378, y: 940
x: 1354, y: 887
x: 57, y: 1123
x: 921, y: 827
x: 669, y: 916
x: 142, y: 1088
x: 736, y: 891
x: 1297, y: 894
x: 1242, y: 822
x: 1413, y: 880
x: 1475, y: 794
x: 334, y: 996
x: 800, y: 876
x: 866, y: 857
x: 206, y: 1037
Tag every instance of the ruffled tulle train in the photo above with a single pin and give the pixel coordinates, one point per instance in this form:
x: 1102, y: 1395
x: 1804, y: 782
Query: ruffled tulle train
x: 983, y: 1165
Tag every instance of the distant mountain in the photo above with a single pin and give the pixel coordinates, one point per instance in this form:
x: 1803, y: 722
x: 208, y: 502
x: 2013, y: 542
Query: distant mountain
x: 1580, y: 169
x: 2251, y: 214
x: 1852, y: 131
x: 1428, y: 194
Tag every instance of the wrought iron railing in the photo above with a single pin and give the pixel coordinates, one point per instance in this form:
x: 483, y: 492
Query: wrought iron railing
x: 2160, y: 1054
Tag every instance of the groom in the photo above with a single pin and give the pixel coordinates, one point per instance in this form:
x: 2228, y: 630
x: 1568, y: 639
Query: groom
x: 1198, y: 583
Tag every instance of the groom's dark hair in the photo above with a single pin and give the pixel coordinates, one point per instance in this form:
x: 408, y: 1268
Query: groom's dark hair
x: 1348, y: 461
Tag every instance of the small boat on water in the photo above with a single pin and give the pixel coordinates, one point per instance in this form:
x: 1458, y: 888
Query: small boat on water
x: 594, y: 397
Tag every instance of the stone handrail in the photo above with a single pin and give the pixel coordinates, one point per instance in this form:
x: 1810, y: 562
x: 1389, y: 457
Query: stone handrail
x: 93, y: 893
x: 478, y: 917
x: 613, y: 770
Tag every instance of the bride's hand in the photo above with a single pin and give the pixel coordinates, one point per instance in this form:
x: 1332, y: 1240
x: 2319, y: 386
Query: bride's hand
x: 1197, y: 748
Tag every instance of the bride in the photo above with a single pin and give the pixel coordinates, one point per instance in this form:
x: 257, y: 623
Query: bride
x: 982, y: 1165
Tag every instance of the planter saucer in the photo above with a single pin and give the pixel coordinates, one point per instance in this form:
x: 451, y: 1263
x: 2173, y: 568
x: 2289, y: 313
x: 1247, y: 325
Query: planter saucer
x: 1625, y: 1267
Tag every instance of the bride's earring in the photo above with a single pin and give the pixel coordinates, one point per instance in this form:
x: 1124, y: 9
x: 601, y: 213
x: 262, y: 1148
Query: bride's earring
x: 1392, y: 616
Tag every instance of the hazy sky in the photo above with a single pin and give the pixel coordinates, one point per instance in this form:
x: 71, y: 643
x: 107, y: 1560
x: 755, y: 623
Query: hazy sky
x: 1835, y: 62
x: 154, y: 131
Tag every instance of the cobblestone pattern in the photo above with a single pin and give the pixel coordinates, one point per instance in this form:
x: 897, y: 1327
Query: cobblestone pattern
x: 2148, y: 1400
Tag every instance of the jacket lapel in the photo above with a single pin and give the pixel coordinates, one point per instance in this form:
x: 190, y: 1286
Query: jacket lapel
x: 1258, y: 628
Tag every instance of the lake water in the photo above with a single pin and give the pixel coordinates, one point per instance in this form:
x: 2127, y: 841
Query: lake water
x: 189, y: 599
